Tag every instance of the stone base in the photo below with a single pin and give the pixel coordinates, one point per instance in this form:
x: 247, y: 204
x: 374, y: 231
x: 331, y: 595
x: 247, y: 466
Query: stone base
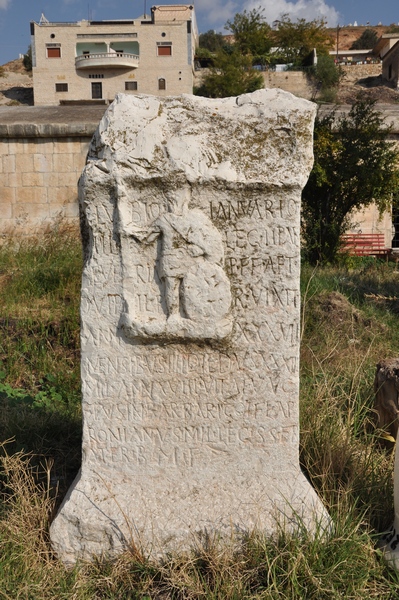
x: 98, y: 518
x: 389, y: 545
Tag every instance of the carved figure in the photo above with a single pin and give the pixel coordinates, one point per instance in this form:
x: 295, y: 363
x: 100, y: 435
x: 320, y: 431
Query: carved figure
x: 190, y: 267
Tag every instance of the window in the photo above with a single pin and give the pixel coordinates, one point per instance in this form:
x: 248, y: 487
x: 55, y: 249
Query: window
x: 164, y: 48
x: 130, y: 85
x: 53, y: 52
x: 96, y: 91
x: 61, y: 87
x: 162, y: 84
x: 96, y: 76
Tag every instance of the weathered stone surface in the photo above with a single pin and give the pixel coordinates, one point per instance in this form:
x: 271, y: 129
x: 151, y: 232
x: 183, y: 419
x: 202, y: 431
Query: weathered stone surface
x: 190, y: 324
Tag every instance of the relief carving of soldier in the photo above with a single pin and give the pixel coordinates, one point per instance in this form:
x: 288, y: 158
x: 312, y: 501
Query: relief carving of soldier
x: 190, y: 266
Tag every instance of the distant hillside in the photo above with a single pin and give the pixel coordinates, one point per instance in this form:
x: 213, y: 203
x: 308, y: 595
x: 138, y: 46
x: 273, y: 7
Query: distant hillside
x: 347, y: 35
x: 15, y: 66
x: 16, y: 85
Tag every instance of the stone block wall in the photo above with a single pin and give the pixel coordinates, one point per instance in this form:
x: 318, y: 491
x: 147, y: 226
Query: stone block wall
x: 43, y: 152
x: 355, y: 72
x: 295, y: 82
x: 39, y: 182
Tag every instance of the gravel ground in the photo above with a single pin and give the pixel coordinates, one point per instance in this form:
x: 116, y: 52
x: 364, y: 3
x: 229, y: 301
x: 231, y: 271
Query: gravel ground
x: 374, y: 86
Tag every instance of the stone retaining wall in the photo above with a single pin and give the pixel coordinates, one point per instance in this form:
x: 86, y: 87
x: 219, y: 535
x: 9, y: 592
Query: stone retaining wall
x: 43, y: 151
x: 39, y: 181
x: 42, y: 154
x: 295, y: 82
x: 355, y: 72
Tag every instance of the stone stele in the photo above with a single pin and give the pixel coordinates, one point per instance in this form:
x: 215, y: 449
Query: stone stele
x: 190, y: 325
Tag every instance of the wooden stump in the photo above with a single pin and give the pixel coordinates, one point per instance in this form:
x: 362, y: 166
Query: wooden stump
x: 386, y: 388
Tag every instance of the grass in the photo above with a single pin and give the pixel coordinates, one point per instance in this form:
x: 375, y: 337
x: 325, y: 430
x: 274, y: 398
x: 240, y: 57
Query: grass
x: 39, y: 349
x: 39, y: 311
x: 350, y: 322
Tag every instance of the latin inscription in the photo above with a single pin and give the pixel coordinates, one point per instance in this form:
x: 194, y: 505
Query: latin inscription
x: 105, y: 245
x: 272, y: 295
x: 184, y: 364
x: 257, y: 208
x: 255, y: 238
x: 280, y: 331
x: 229, y: 210
x: 172, y: 362
x: 103, y: 274
x: 183, y: 446
x: 195, y: 434
x: 255, y: 266
x: 109, y: 304
x: 187, y: 411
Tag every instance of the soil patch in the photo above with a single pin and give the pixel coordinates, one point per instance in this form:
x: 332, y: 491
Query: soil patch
x: 338, y: 310
x: 16, y: 84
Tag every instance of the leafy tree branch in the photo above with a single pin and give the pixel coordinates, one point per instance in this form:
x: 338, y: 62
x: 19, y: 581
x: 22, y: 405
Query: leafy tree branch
x: 355, y: 165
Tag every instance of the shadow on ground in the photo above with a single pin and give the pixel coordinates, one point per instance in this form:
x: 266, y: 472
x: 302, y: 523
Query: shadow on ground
x: 22, y: 95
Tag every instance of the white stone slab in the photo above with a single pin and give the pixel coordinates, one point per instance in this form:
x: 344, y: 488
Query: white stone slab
x: 190, y: 324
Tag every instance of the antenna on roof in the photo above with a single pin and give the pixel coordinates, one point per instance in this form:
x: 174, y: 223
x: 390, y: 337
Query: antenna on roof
x: 145, y: 9
x: 43, y: 20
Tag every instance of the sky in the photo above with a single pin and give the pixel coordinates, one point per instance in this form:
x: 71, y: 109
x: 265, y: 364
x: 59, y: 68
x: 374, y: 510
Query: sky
x: 15, y: 15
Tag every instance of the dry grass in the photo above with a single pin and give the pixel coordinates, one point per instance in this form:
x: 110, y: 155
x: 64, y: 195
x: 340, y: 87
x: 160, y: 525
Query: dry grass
x: 345, y: 332
x: 28, y: 568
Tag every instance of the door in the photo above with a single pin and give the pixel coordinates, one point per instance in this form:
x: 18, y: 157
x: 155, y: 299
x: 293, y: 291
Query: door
x: 96, y: 90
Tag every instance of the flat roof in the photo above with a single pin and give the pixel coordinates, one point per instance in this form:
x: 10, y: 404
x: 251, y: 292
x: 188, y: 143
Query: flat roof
x: 384, y: 39
x: 82, y: 121
x: 49, y: 121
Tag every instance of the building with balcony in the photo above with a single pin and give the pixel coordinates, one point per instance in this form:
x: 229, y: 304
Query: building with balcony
x: 388, y: 49
x: 91, y: 61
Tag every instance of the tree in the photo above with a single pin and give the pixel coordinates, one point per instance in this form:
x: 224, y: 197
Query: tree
x: 326, y: 76
x: 27, y: 59
x: 252, y: 34
x: 355, y: 165
x: 231, y: 75
x: 296, y: 40
x: 211, y: 40
x: 366, y: 41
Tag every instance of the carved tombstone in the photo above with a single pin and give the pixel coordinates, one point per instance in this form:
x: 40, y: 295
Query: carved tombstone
x: 190, y: 324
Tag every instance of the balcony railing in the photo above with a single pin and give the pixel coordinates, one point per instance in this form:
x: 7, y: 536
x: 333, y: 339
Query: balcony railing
x: 111, y: 60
